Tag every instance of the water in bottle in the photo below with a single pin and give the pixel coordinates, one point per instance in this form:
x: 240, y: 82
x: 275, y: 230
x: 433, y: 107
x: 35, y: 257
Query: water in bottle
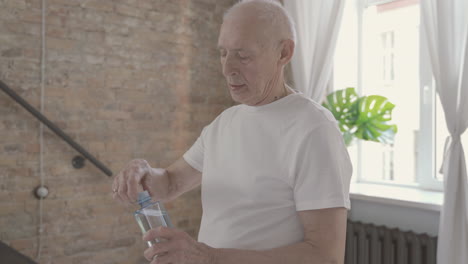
x: 151, y: 215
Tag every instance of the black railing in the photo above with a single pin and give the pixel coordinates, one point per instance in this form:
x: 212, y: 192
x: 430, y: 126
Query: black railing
x: 11, y: 255
x: 54, y: 128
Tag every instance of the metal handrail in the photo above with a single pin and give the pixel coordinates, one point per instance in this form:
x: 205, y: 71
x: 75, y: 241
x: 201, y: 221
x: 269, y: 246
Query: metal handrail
x: 54, y: 128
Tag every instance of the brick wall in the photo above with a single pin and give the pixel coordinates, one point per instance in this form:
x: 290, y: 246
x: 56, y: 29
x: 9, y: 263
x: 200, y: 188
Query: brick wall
x: 126, y: 79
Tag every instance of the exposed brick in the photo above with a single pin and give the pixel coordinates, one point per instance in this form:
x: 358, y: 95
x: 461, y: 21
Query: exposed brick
x: 30, y: 15
x: 119, y: 80
x: 13, y: 52
x: 56, y: 31
x: 61, y: 44
x: 99, y: 5
x: 33, y: 4
x: 64, y: 2
x: 129, y: 11
x: 22, y: 28
x: 22, y: 244
x: 14, y: 3
x: 6, y: 209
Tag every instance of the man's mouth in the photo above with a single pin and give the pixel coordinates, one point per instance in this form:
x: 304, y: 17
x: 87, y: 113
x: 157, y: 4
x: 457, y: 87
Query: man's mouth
x: 235, y: 87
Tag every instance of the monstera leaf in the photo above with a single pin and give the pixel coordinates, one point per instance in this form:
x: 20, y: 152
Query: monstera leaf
x: 362, y: 117
x: 342, y: 105
x: 374, y: 112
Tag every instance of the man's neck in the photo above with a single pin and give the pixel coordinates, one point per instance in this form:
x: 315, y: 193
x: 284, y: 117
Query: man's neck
x: 283, y: 91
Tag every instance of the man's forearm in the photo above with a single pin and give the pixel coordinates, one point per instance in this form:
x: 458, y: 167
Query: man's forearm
x: 298, y: 253
x: 180, y: 178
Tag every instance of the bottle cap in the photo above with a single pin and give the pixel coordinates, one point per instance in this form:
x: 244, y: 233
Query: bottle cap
x: 143, y: 197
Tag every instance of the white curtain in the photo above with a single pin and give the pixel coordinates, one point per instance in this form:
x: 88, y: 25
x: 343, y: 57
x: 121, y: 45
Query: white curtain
x: 317, y: 24
x: 446, y: 25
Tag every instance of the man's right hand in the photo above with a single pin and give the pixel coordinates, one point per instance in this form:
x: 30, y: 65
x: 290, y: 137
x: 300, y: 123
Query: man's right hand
x: 138, y: 175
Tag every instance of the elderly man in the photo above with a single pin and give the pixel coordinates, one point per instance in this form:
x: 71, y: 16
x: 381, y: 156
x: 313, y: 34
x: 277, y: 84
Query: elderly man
x: 274, y: 169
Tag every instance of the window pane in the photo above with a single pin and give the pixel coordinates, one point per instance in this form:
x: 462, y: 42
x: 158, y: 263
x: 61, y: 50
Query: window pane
x: 390, y: 67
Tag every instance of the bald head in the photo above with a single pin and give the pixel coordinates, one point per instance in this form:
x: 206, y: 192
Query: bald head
x: 255, y: 43
x: 270, y: 18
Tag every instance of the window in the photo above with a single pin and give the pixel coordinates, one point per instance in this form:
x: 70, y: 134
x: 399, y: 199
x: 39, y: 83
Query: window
x: 388, y: 56
x: 381, y: 50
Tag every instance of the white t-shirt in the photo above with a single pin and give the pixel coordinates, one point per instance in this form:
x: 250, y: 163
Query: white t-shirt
x: 261, y: 165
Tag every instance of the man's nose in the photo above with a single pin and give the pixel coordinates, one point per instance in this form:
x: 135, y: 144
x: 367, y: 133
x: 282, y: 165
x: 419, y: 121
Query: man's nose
x: 230, y: 66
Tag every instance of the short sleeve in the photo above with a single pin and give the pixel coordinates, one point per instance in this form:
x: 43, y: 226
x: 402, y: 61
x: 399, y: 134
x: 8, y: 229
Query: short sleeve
x: 322, y: 170
x: 194, y: 156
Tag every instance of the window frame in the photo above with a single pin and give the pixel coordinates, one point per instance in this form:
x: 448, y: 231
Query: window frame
x: 425, y: 146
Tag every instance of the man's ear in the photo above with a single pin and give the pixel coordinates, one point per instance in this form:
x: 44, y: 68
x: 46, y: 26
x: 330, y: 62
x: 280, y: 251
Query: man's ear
x: 287, y: 51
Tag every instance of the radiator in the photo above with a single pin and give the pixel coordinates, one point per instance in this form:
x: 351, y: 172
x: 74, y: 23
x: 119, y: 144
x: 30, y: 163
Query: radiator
x: 371, y: 244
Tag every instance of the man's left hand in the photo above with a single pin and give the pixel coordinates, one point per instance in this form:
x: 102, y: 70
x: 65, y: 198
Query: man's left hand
x: 178, y: 248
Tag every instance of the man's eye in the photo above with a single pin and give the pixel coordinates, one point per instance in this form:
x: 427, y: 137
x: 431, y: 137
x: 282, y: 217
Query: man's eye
x: 243, y: 56
x: 222, y: 53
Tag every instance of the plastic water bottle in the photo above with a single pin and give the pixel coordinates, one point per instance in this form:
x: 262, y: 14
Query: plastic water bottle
x: 151, y: 215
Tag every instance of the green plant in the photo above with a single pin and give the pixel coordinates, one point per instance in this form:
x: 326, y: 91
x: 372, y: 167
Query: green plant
x: 363, y: 117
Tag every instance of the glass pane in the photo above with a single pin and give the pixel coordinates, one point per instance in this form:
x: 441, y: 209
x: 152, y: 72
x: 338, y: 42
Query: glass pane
x: 391, y: 69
